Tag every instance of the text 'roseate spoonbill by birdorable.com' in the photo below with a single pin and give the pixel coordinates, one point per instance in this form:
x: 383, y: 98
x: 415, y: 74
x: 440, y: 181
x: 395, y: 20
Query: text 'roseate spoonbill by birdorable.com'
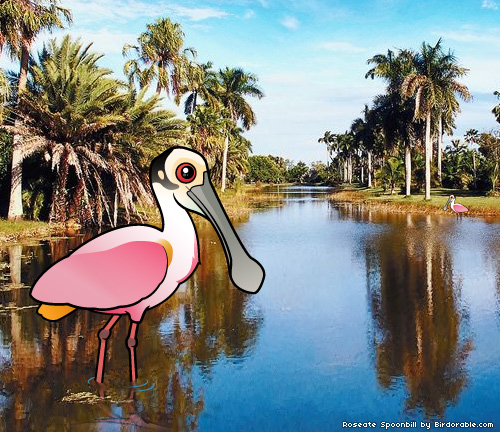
x: 459, y: 209
x: 134, y: 268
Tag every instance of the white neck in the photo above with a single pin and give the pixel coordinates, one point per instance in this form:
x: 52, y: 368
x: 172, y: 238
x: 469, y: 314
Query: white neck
x: 175, y: 217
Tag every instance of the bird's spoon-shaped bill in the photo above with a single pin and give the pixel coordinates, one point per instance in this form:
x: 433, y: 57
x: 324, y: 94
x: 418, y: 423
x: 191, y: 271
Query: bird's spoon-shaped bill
x: 245, y: 272
x: 448, y: 202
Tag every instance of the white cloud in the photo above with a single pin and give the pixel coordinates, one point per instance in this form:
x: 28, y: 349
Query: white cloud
x: 338, y: 46
x: 125, y: 10
x: 197, y: 14
x: 291, y: 23
x: 104, y: 41
x: 249, y: 14
x: 489, y: 4
x: 472, y: 37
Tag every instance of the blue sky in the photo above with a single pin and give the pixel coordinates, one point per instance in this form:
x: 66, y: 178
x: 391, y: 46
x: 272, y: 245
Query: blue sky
x: 310, y: 56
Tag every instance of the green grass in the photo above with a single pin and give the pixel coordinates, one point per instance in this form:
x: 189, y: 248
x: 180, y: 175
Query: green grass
x: 478, y: 203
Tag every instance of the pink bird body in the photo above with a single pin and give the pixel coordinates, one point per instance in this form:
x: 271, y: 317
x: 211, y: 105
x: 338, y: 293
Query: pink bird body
x: 459, y: 208
x: 132, y: 269
x: 123, y: 271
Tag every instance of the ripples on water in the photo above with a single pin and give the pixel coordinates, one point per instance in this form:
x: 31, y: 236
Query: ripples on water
x: 364, y: 316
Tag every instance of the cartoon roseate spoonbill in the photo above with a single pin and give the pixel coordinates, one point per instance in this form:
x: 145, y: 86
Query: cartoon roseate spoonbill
x: 459, y: 209
x: 131, y: 269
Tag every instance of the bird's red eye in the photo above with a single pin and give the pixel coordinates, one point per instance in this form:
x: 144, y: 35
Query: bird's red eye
x: 185, y: 173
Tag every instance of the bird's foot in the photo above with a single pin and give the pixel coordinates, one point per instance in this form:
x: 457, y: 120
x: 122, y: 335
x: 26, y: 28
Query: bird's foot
x: 100, y: 387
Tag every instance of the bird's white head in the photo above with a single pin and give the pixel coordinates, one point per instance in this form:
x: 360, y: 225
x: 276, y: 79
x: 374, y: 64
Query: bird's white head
x: 183, y: 174
x: 451, y: 200
x: 175, y: 172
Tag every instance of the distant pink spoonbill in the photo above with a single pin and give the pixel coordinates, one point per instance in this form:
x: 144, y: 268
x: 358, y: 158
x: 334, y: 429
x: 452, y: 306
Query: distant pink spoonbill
x: 457, y: 208
x: 134, y: 268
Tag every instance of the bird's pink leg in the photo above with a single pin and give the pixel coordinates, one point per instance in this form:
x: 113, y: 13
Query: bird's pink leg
x: 103, y: 337
x: 131, y: 344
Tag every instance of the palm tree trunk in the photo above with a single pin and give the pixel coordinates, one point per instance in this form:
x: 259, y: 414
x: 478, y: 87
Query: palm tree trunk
x: 439, y: 149
x: 474, y: 167
x: 428, y: 151
x: 408, y: 168
x: 194, y: 101
x: 345, y: 171
x: 23, y: 72
x: 369, y: 169
x: 115, y: 209
x: 224, y: 163
x: 362, y: 174
x: 16, y: 201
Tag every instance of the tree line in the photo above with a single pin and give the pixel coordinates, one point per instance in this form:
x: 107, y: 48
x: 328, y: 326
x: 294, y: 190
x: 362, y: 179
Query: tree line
x: 277, y: 170
x: 398, y: 140
x: 75, y: 141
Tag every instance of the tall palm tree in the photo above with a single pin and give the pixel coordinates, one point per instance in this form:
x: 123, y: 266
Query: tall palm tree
x: 93, y: 133
x: 434, y: 85
x: 393, y: 68
x: 234, y: 84
x: 327, y: 139
x: 160, y: 57
x: 20, y: 24
x: 449, y: 107
x: 471, y: 137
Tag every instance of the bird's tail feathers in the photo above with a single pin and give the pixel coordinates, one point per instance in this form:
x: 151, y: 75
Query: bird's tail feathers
x: 54, y: 312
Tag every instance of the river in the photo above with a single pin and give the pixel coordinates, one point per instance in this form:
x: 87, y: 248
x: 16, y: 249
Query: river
x: 364, y: 316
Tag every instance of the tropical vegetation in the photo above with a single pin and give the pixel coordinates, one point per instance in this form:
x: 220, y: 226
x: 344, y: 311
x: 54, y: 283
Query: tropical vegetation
x: 398, y: 142
x: 76, y: 141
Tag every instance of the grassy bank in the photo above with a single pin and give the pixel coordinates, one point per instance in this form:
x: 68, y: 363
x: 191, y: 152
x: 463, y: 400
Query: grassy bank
x: 478, y: 204
x: 238, y: 204
x: 11, y: 232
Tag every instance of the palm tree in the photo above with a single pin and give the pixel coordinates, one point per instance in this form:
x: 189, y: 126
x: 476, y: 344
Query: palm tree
x: 358, y: 131
x: 392, y: 109
x: 207, y: 134
x: 93, y: 133
x: 4, y: 93
x: 434, y: 85
x: 327, y: 139
x: 471, y: 137
x: 344, y: 146
x: 201, y: 82
x: 160, y: 57
x: 234, y: 84
x: 449, y: 104
x: 20, y: 24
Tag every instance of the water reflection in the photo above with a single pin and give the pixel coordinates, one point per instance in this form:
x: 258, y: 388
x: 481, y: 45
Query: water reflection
x: 420, y: 332
x: 42, y: 364
x: 368, y: 315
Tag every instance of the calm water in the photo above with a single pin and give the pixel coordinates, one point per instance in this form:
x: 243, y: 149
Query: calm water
x: 364, y: 316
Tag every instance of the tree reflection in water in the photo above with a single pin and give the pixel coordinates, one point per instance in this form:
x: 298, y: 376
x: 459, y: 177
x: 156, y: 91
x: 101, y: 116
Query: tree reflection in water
x: 418, y: 323
x: 40, y: 362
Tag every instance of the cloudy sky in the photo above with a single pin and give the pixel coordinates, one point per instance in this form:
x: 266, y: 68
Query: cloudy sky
x: 310, y: 55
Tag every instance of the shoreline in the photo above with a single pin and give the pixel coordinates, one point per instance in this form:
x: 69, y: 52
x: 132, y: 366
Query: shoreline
x: 238, y: 205
x: 375, y: 198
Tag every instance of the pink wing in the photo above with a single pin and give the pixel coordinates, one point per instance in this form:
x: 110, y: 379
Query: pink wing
x: 107, y: 279
x: 459, y: 208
